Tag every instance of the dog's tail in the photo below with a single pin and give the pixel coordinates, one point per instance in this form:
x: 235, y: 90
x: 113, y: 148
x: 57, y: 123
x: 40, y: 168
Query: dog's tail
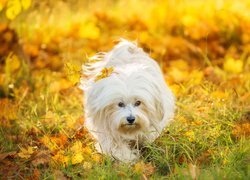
x: 123, y: 53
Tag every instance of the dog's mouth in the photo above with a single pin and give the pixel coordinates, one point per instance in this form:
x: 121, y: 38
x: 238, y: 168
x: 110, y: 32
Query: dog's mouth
x: 129, y: 128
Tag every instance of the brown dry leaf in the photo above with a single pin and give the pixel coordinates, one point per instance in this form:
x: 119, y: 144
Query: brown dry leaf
x: 8, y: 154
x: 242, y: 129
x: 36, y: 174
x: 42, y: 157
x: 106, y: 72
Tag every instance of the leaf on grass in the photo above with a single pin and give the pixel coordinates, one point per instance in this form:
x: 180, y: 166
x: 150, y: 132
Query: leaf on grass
x: 26, y: 4
x: 73, y: 72
x: 61, y: 158
x: 12, y: 63
x: 178, y: 75
x: 233, y: 66
x: 241, y: 129
x: 190, y: 135
x: 26, y: 152
x: 36, y: 174
x: 77, y: 158
x: 89, y: 30
x: 42, y: 157
x: 9, y: 109
x: 48, y: 143
x: 106, y: 72
x: 14, y: 7
x: 8, y: 154
x: 219, y: 95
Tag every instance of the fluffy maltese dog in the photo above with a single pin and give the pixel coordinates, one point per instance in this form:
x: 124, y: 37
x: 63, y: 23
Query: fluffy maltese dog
x: 127, y: 102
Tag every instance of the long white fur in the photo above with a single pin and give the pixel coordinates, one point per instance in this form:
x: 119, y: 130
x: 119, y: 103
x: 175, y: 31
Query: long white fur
x: 136, y: 76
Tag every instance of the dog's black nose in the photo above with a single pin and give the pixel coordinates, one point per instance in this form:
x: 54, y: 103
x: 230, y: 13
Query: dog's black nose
x: 130, y: 119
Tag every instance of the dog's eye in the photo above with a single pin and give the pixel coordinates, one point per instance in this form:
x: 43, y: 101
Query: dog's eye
x: 137, y: 103
x: 121, y: 104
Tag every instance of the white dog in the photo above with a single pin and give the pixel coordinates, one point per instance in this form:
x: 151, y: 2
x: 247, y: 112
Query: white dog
x: 127, y: 101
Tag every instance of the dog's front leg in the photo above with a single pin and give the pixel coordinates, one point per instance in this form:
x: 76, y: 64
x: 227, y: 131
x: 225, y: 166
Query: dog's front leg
x: 124, y: 153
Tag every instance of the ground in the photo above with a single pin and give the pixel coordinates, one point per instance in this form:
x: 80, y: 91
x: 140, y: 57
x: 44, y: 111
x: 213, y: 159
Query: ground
x: 202, y: 48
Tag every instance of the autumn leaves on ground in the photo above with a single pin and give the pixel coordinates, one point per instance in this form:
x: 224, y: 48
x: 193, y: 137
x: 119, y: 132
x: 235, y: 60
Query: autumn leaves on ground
x: 203, y: 48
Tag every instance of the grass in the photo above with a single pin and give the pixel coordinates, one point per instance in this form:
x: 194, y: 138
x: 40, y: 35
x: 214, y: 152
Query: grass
x: 41, y: 105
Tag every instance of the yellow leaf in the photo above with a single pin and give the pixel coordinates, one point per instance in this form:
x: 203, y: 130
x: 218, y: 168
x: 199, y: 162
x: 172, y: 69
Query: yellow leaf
x: 190, y: 135
x: 219, y: 95
x: 178, y: 75
x: 139, y: 167
x: 89, y: 30
x: 73, y: 72
x: 196, y: 77
x: 26, y: 4
x: 26, y: 153
x: 179, y: 64
x: 12, y: 64
x: 97, y: 158
x: 233, y: 66
x: 77, y: 147
x: 106, y: 72
x: 61, y: 158
x: 48, y: 143
x: 60, y: 85
x: 189, y: 20
x: 87, y: 150
x: 77, y: 158
x: 13, y: 9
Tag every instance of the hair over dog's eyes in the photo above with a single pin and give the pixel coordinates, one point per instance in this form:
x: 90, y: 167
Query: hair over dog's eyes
x: 137, y: 103
x: 121, y: 104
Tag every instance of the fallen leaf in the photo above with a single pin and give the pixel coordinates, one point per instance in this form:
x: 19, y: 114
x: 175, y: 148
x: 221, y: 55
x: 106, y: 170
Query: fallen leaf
x: 106, y: 72
x: 26, y: 152
x: 73, y: 72
x: 77, y: 158
x: 233, y: 66
x: 41, y: 158
x: 8, y: 154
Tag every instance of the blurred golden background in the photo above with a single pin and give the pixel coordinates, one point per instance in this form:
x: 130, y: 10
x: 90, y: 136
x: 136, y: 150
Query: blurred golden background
x: 203, y: 48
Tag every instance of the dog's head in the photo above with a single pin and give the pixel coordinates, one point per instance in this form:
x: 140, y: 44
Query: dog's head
x: 127, y: 102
